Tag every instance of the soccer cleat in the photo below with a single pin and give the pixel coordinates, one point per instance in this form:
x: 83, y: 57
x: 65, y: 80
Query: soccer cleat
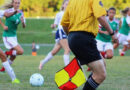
x: 16, y: 81
x: 121, y: 52
x: 40, y: 66
x: 2, y: 69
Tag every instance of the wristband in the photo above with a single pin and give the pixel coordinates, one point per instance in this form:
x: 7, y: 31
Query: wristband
x: 112, y: 33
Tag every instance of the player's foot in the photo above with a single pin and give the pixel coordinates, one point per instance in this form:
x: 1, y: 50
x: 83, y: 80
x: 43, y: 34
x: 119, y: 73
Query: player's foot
x: 40, y: 66
x: 121, y: 52
x: 2, y: 69
x: 16, y: 81
x: 89, y: 70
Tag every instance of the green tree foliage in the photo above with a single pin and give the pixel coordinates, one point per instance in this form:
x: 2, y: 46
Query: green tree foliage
x: 33, y: 8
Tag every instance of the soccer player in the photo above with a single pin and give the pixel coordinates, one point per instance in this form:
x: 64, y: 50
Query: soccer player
x: 123, y: 32
x: 103, y: 38
x: 80, y: 22
x: 9, y: 36
x: 128, y: 20
x: 60, y: 38
x: 3, y: 57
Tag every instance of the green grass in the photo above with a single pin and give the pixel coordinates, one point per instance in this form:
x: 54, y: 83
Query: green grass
x: 38, y: 30
x: 118, y: 75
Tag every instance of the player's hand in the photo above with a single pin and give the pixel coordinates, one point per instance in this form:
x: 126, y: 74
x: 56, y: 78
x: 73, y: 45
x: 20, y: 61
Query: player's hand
x: 5, y: 28
x: 22, y: 19
x: 53, y: 26
x: 115, y: 39
x: 106, y: 32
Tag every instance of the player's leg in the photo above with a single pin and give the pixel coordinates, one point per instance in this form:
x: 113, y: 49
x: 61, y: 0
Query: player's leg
x: 50, y: 55
x: 9, y: 43
x: 100, y: 47
x: 122, y: 51
x: 125, y: 45
x: 129, y: 44
x: 65, y: 46
x: 98, y: 75
x: 109, y: 50
x: 116, y: 45
x: 128, y: 39
x: 84, y: 47
x: 19, y: 50
x: 7, y: 67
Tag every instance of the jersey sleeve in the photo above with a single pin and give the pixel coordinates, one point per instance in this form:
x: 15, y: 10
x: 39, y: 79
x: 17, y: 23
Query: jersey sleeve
x: 2, y: 13
x: 128, y: 19
x: 66, y: 20
x: 100, y: 27
x: 57, y: 19
x: 98, y: 9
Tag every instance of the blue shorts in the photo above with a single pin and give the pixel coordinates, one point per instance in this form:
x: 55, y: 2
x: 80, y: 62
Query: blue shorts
x: 60, y: 34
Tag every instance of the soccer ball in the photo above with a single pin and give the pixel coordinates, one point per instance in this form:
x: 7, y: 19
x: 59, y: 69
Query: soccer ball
x: 36, y: 80
x: 37, y: 47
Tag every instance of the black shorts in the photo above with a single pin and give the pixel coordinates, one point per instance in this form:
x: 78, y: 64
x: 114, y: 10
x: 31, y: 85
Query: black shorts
x: 83, y: 45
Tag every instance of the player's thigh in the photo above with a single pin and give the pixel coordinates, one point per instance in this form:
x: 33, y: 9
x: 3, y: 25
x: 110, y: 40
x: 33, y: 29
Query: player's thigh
x: 98, y: 69
x: 100, y: 45
x: 123, y: 39
x: 2, y: 56
x: 18, y: 48
x: 109, y: 49
x: 64, y: 44
x: 56, y: 48
x: 10, y: 42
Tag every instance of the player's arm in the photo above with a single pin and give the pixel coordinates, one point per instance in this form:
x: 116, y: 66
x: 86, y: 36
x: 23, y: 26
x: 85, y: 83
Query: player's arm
x: 103, y: 32
x: 56, y: 21
x: 53, y: 26
x: 3, y: 26
x: 100, y: 31
x: 128, y: 20
x: 8, y: 14
x: 23, y: 22
x: 66, y: 20
x: 66, y: 30
x: 102, y: 20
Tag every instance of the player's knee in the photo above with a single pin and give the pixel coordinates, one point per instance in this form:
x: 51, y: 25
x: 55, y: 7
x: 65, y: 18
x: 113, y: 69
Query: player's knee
x: 20, y: 52
x: 54, y: 52
x: 102, y: 76
x: 109, y: 56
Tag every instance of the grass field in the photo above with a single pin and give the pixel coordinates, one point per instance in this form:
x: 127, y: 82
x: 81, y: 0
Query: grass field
x: 118, y: 75
x: 118, y: 69
x: 38, y: 30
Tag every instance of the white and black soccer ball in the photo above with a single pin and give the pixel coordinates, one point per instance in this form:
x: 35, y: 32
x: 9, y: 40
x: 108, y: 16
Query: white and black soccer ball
x: 36, y: 80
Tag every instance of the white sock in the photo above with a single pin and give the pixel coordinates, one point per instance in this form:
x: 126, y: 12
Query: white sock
x: 10, y: 62
x: 66, y: 59
x: 9, y: 70
x: 14, y: 52
x: 47, y: 58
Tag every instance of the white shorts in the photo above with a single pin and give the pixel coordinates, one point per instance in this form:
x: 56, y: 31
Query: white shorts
x: 104, y: 46
x: 128, y: 38
x: 10, y: 42
x: 122, y: 39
